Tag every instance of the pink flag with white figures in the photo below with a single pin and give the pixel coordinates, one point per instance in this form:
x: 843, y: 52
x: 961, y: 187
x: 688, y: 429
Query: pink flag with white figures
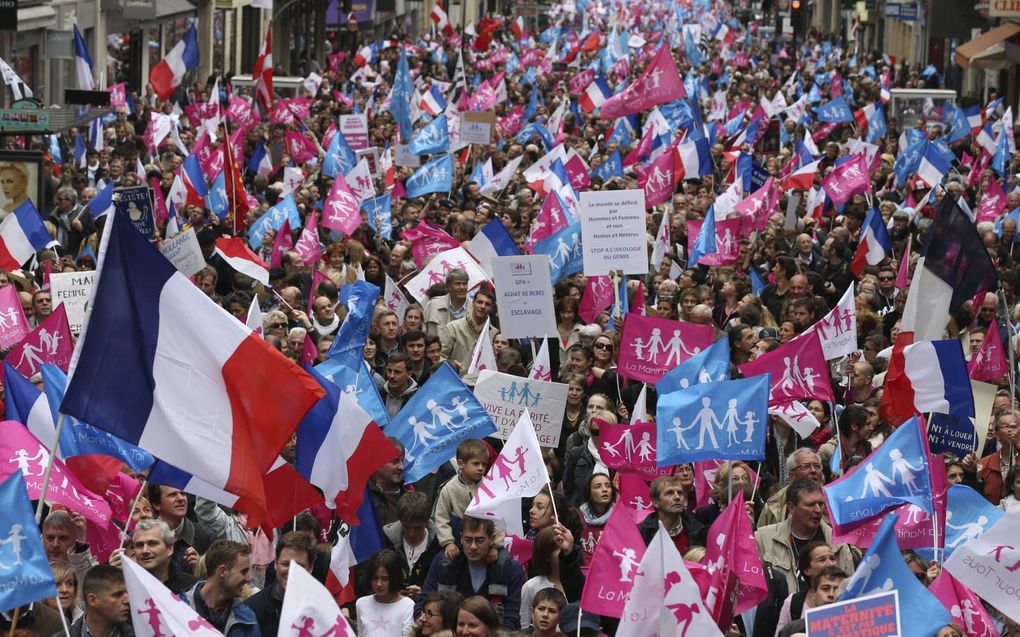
x: 989, y: 362
x: 301, y: 148
x: 658, y: 178
x: 541, y: 369
x: 651, y: 346
x: 427, y: 240
x: 598, y: 295
x: 308, y: 245
x: 49, y: 342
x: 581, y: 81
x: 727, y: 241
x: 519, y: 548
x: 517, y: 472
x: 242, y: 113
x: 848, y: 179
x: 157, y: 611
x: 797, y: 416
x: 659, y: 83
x: 578, y: 172
x: 121, y: 494
x: 103, y: 540
x: 636, y: 494
x: 551, y: 219
x: 630, y: 449
x: 19, y: 449
x: 992, y: 203
x: 342, y: 210
x: 614, y: 564
x: 837, y: 330
x: 965, y: 607
x: 13, y: 324
x: 283, y: 241
x: 309, y: 353
x: 798, y: 369
x: 734, y: 564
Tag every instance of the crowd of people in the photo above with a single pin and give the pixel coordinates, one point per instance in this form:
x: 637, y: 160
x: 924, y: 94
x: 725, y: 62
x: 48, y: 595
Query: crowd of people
x: 440, y: 571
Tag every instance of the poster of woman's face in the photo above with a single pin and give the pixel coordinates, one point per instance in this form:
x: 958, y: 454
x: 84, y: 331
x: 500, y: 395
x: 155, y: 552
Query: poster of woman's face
x: 19, y: 179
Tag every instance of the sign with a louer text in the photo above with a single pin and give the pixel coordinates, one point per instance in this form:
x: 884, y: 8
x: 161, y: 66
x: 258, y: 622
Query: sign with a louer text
x: 613, y: 232
x: 875, y: 615
x: 524, y: 296
x: 506, y: 397
x: 73, y: 290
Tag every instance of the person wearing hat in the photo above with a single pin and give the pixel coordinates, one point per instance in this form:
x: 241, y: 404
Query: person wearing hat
x: 573, y: 618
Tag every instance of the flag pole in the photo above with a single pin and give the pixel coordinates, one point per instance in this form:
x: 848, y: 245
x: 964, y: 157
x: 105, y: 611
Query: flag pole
x: 14, y: 621
x: 552, y: 501
x: 49, y: 470
x: 134, y: 505
x: 63, y: 621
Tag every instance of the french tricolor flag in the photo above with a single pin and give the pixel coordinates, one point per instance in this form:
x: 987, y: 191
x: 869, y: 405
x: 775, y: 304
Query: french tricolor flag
x: 874, y: 245
x: 933, y: 166
x: 937, y: 372
x: 492, y: 241
x: 240, y: 257
x: 595, y: 95
x: 22, y: 234
x: 433, y: 102
x: 194, y: 181
x: 802, y: 178
x: 696, y: 158
x: 168, y: 73
x: 218, y: 402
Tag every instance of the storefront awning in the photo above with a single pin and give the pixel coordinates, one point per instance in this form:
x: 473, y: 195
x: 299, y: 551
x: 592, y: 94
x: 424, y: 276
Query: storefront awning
x: 167, y: 8
x: 37, y: 17
x: 987, y: 45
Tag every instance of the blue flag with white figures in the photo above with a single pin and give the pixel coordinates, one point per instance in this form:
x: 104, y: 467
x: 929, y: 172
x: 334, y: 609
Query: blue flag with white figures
x: 968, y: 515
x: 380, y: 214
x: 836, y: 110
x: 610, y: 168
x: 725, y: 420
x: 757, y: 283
x: 432, y: 139
x: 876, y: 125
x: 883, y: 569
x: 704, y: 243
x: 895, y: 473
x: 358, y: 299
x: 25, y: 574
x: 340, y: 157
x: 564, y: 251
x: 216, y: 200
x: 435, y: 420
x: 356, y: 376
x: 435, y: 176
x: 711, y: 364
x: 78, y: 438
x: 400, y: 102
x: 274, y: 218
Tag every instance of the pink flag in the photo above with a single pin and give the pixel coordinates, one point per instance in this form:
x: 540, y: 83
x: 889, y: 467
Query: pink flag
x: 992, y: 203
x: 511, y: 123
x: 631, y: 449
x: 651, y: 346
x: 301, y: 148
x: 289, y: 111
x: 427, y: 241
x: 283, y: 241
x: 989, y: 362
x: 636, y: 495
x: 965, y: 607
x: 733, y: 561
x: 103, y: 540
x: 659, y: 178
x: 19, y: 449
x: 727, y: 240
x: 598, y: 295
x: 317, y: 278
x: 49, y: 342
x: 13, y: 324
x: 550, y: 220
x: 159, y: 201
x: 242, y: 113
x: 121, y: 494
x: 342, y: 210
x: 581, y: 81
x: 638, y: 305
x: 757, y: 208
x: 659, y: 83
x: 847, y: 179
x: 577, y: 171
x: 902, y: 275
x: 308, y: 245
x: 309, y: 353
x: 614, y: 564
x: 798, y: 370
x: 519, y: 548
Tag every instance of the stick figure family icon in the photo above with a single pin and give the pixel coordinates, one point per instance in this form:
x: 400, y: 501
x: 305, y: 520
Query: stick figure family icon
x: 903, y: 477
x: 565, y: 252
x: 644, y: 448
x: 48, y: 344
x: 650, y: 350
x: 707, y: 422
x: 442, y: 417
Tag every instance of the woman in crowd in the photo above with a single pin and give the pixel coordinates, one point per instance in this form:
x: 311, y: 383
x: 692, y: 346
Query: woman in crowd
x: 595, y: 511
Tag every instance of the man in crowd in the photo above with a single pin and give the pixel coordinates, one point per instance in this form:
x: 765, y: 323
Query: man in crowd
x: 217, y: 599
x: 107, y: 611
x: 190, y: 540
x: 294, y: 548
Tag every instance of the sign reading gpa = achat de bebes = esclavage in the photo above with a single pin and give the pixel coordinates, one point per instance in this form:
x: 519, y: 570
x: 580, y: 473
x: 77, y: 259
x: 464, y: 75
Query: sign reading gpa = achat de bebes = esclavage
x: 613, y: 231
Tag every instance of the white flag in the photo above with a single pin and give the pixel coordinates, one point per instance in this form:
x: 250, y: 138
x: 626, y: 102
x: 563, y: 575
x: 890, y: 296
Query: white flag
x: 837, y: 330
x: 518, y: 472
x: 254, y: 320
x: 395, y: 299
x: 501, y: 179
x: 483, y: 357
x: 312, y: 83
x: 640, y: 413
x: 665, y: 600
x: 795, y: 414
x: 157, y: 611
x: 990, y: 564
x: 662, y: 243
x: 360, y: 181
x: 540, y: 368
x: 19, y: 89
x: 309, y: 609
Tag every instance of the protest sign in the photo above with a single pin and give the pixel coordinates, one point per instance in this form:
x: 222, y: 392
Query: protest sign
x: 355, y: 130
x: 404, y: 157
x: 524, y: 296
x: 136, y: 203
x: 651, y: 346
x: 184, y: 252
x: 476, y: 128
x: 506, y: 397
x: 613, y: 231
x: 951, y: 433
x: 874, y: 615
x: 73, y: 290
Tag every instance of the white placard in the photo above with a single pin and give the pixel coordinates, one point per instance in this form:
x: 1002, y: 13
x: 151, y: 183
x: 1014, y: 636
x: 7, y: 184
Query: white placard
x: 73, y: 289
x: 613, y: 232
x: 355, y: 130
x: 505, y: 397
x: 403, y: 157
x: 475, y: 132
x: 184, y: 252
x: 524, y: 296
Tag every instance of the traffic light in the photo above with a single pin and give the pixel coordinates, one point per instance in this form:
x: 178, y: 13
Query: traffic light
x: 795, y: 5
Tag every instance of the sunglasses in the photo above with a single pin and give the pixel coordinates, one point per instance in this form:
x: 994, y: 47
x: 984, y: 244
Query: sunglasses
x: 603, y: 346
x: 595, y: 432
x: 276, y: 326
x: 886, y: 278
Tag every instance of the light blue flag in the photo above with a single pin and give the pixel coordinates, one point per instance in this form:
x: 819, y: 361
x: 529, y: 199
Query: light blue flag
x: 895, y: 473
x: 711, y: 364
x: 725, y: 420
x: 477, y: 174
x: 80, y: 439
x: 610, y: 168
x: 400, y: 102
x: 435, y: 176
x: 358, y: 299
x: 344, y: 373
x: 340, y: 157
x: 882, y: 570
x: 704, y: 243
x: 532, y: 129
x: 959, y: 128
x: 757, y: 283
x: 25, y: 574
x: 431, y: 139
x: 968, y: 515
x: 1000, y: 161
x: 836, y: 110
x: 285, y: 210
x: 909, y: 158
x: 380, y: 209
x: 563, y: 249
x: 435, y: 420
x: 216, y: 200
x: 876, y: 125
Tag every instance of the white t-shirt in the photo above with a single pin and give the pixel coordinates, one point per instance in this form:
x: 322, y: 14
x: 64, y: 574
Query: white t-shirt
x: 384, y: 620
x: 528, y: 591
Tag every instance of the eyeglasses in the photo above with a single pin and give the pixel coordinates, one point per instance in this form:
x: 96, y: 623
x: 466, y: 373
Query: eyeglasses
x: 431, y: 614
x: 603, y: 346
x: 810, y: 465
x: 886, y: 278
x: 277, y: 326
x: 475, y: 541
